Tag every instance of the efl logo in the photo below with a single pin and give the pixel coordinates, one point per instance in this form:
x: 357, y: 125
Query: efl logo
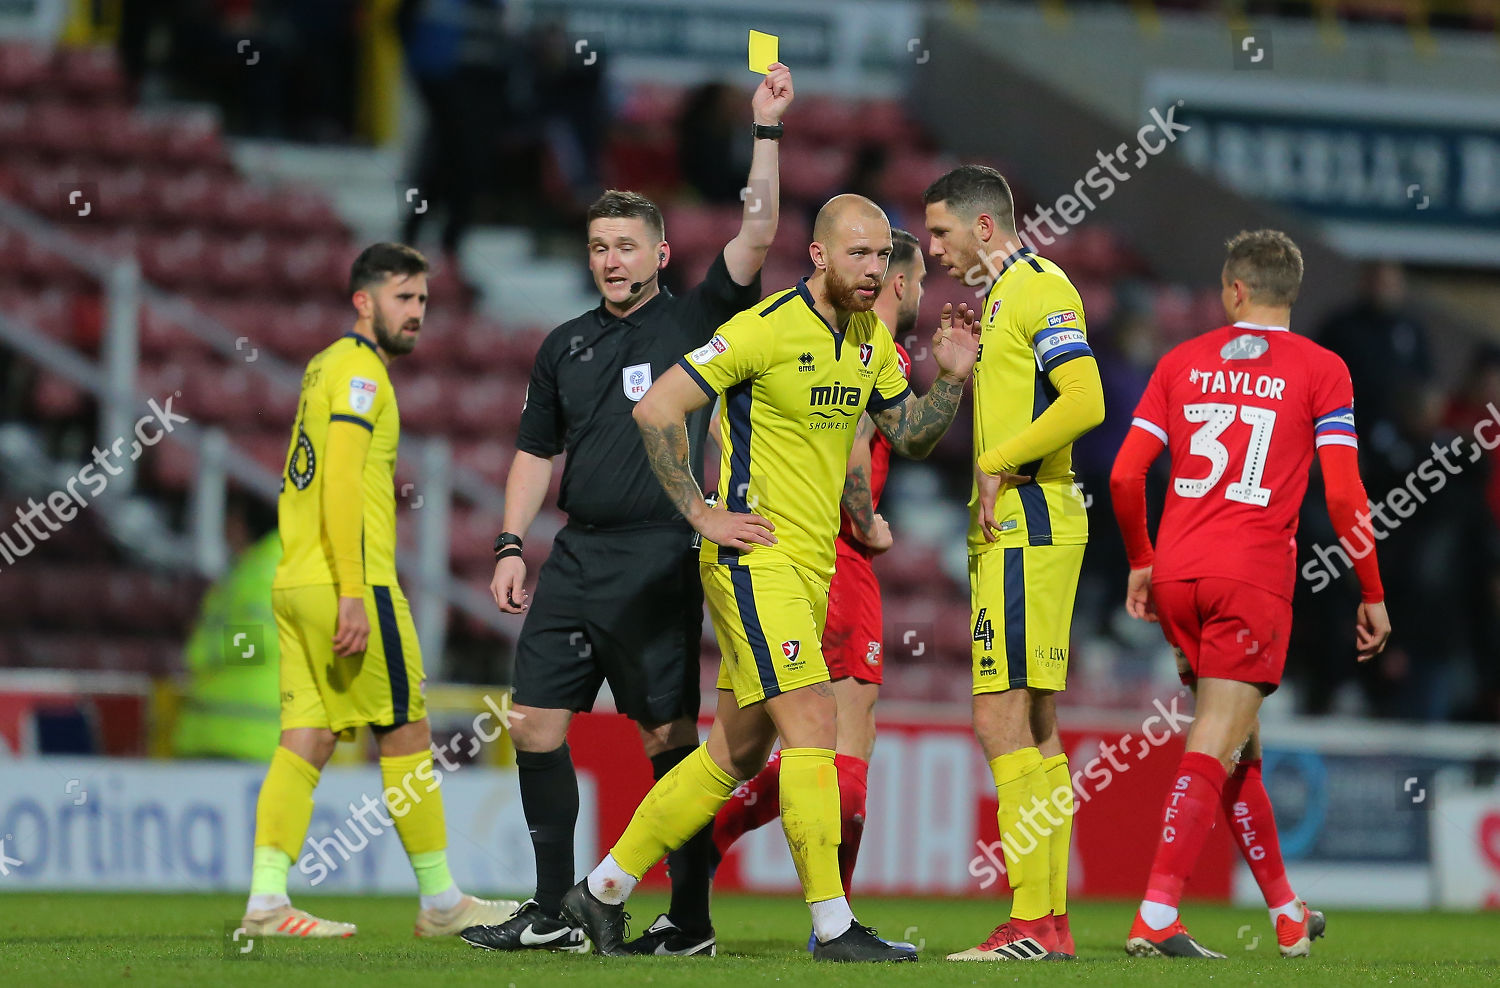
x: 865, y: 352
x: 1058, y: 318
x: 791, y: 649
x: 719, y: 343
x: 994, y: 308
x: 362, y: 394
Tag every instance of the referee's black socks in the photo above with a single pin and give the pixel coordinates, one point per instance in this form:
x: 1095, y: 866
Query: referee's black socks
x: 690, y: 866
x: 549, y: 797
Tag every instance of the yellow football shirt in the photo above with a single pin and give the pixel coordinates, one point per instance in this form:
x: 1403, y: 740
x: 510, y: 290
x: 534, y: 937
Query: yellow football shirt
x: 793, y: 391
x: 347, y: 382
x: 1032, y: 323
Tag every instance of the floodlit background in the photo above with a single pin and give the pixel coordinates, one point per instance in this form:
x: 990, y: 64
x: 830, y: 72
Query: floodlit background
x: 183, y: 186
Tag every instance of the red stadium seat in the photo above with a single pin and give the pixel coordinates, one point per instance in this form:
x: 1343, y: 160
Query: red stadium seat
x: 269, y: 446
x: 476, y: 344
x: 489, y: 457
x: 172, y: 464
x: 833, y: 119
x: 472, y: 536
x: 24, y: 67
x: 810, y: 173
x: 229, y: 395
x: 880, y: 118
x: 192, y: 137
x: 518, y: 348
x: 425, y: 402
x: 650, y: 105
x: 483, y: 406
x: 702, y: 229
x: 57, y: 398
x: 245, y: 265
x: 908, y: 174
x: 163, y: 337
x: 89, y: 73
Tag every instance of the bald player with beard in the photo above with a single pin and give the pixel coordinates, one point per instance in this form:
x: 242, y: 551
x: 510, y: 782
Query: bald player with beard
x: 852, y: 639
x: 795, y: 372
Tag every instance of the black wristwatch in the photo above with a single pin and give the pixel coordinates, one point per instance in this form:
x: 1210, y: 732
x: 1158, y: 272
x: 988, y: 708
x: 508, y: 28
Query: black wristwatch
x: 763, y: 133
x: 507, y: 544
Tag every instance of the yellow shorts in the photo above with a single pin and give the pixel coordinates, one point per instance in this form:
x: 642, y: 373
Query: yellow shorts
x: 769, y: 623
x: 1021, y: 602
x: 381, y: 686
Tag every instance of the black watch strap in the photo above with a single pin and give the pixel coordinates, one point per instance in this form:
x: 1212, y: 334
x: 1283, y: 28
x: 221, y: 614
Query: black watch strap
x: 507, y: 544
x: 763, y: 133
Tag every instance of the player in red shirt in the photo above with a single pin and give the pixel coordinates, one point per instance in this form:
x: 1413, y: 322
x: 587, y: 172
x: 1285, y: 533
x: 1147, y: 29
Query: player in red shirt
x: 1241, y: 411
x: 852, y: 636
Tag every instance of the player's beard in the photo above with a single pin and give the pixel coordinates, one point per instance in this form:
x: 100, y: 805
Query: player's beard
x: 844, y: 295
x: 394, y: 343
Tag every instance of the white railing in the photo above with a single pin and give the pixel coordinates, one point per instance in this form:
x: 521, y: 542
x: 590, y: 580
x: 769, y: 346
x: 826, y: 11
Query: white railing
x: 112, y: 379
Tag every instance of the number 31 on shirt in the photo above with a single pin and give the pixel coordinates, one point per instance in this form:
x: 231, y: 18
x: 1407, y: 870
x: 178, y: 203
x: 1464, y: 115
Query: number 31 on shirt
x: 1216, y: 417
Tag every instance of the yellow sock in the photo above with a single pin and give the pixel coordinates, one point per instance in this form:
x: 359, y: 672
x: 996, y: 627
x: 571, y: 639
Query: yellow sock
x: 1018, y: 781
x: 680, y: 804
x: 415, y: 802
x: 810, y: 817
x: 1060, y: 794
x: 282, y: 814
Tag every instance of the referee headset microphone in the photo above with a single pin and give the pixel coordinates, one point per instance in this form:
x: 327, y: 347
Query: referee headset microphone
x: 636, y: 286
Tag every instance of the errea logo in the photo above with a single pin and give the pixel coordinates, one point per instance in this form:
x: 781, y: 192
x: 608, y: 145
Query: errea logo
x: 805, y: 363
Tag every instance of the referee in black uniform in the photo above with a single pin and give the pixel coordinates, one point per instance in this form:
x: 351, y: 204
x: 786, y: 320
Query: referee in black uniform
x: 618, y: 599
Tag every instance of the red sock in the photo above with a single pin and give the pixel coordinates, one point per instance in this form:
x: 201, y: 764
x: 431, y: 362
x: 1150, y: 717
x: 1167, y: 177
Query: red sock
x: 1187, y: 817
x: 753, y: 805
x: 1253, y: 824
x: 853, y: 784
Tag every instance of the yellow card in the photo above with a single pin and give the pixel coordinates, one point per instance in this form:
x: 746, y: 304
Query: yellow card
x: 764, y: 51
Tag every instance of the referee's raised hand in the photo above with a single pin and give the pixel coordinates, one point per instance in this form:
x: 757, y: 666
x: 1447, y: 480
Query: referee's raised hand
x: 734, y: 529
x: 772, y: 96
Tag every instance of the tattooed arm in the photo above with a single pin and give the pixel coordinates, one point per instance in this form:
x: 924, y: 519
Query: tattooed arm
x: 858, y: 501
x: 914, y: 425
x: 662, y: 418
x: 859, y: 498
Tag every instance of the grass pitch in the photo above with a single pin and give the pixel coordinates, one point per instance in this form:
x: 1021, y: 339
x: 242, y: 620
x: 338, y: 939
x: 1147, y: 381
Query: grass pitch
x: 91, y: 939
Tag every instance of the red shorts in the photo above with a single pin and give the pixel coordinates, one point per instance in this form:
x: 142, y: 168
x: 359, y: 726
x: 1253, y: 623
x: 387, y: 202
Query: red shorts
x: 1225, y: 629
x: 852, y: 634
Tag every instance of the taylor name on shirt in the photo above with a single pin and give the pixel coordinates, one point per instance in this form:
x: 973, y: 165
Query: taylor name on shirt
x: 1238, y: 383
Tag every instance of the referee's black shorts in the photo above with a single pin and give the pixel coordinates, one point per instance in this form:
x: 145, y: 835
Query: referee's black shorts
x: 617, y: 605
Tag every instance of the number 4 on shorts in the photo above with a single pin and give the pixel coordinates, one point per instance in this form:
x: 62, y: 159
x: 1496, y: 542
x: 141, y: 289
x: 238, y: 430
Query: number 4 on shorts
x: 983, y: 632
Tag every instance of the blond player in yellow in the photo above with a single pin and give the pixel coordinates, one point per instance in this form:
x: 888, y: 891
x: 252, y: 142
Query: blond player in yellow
x: 349, y: 653
x: 1036, y: 390
x: 796, y: 372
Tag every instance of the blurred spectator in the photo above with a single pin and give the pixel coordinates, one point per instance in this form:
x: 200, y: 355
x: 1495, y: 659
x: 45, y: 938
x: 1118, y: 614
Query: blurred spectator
x: 277, y: 68
x: 1434, y: 564
x: 867, y: 177
x: 1385, y: 347
x: 1127, y: 354
x: 232, y: 705
x: 455, y: 50
x: 570, y: 99
x: 711, y: 145
x: 1477, y: 400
